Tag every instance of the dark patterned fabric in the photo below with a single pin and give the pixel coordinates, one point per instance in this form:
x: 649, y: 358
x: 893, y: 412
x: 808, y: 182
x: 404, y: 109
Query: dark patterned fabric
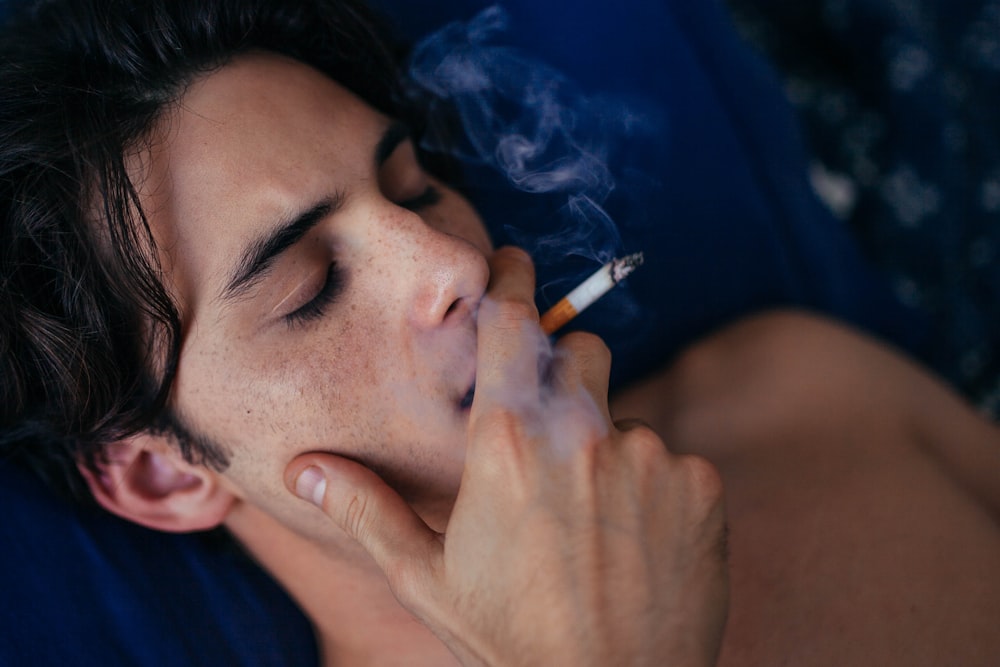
x: 900, y: 101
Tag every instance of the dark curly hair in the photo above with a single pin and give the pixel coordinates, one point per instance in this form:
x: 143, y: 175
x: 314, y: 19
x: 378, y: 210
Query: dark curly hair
x: 89, y: 337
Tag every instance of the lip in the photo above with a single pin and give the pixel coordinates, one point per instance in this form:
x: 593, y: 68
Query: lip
x: 465, y: 351
x: 466, y: 401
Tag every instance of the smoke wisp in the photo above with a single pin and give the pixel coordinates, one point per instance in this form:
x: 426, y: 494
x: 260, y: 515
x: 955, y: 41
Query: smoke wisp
x: 529, y: 123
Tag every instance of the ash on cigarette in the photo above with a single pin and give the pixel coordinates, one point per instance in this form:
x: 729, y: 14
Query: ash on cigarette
x: 623, y: 267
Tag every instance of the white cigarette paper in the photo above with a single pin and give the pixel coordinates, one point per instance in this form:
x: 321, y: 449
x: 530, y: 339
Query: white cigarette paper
x: 589, y: 291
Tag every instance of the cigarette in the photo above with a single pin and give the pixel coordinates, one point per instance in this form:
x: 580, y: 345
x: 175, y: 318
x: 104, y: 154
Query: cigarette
x: 589, y: 291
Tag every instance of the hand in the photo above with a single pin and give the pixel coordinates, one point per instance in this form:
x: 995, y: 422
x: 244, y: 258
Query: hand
x: 571, y: 542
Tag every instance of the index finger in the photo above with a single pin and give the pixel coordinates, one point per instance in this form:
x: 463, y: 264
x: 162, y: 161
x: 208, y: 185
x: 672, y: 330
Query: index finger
x: 509, y: 337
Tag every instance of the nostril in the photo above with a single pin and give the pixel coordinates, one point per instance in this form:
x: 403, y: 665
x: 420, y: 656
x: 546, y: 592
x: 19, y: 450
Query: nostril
x: 460, y: 310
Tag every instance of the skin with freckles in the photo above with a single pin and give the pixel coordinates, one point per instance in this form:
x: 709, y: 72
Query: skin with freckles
x: 378, y: 373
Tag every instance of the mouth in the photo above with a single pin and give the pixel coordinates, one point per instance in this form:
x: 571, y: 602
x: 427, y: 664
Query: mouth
x: 466, y: 401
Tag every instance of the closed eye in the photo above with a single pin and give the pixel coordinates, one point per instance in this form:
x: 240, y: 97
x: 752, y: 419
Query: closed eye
x: 429, y: 197
x: 316, y: 307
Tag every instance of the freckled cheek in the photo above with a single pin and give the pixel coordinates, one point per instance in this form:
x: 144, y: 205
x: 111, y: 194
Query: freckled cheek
x: 326, y: 389
x: 226, y: 396
x: 340, y: 387
x: 301, y: 393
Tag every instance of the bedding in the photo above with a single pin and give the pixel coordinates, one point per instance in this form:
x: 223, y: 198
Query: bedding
x: 82, y: 587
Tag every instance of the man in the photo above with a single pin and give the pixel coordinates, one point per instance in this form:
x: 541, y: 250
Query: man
x: 320, y: 242
x: 307, y: 259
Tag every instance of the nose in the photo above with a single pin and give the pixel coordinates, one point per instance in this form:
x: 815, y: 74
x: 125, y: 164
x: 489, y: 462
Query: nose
x: 440, y: 275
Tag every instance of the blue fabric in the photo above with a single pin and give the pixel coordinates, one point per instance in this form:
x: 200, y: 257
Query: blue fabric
x: 81, y: 587
x: 722, y: 207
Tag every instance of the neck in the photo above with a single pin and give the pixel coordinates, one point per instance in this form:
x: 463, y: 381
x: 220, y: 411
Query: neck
x: 357, y: 619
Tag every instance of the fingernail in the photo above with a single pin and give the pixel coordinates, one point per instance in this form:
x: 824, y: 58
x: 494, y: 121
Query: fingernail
x: 311, y: 485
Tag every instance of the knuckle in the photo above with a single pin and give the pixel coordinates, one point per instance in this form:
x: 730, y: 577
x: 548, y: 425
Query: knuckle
x: 704, y: 479
x: 647, y: 451
x: 707, y: 496
x: 644, y: 441
x: 515, y: 253
x: 512, y: 312
x: 355, y: 516
x: 628, y: 424
x: 583, y: 342
x: 499, y: 423
x: 697, y: 475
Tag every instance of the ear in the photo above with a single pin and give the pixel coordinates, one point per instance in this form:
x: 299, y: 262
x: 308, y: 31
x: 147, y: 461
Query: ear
x: 146, y: 480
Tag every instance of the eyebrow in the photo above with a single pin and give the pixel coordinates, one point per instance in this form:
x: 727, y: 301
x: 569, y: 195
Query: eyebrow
x: 395, y: 134
x: 260, y: 255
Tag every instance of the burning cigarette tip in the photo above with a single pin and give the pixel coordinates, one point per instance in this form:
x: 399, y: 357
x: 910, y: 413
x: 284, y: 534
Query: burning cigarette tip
x: 623, y: 267
x: 590, y: 290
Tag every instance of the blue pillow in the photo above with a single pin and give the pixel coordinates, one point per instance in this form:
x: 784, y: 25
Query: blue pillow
x: 82, y: 587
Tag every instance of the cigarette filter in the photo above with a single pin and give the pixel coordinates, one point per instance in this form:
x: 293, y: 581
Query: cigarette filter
x: 589, y: 291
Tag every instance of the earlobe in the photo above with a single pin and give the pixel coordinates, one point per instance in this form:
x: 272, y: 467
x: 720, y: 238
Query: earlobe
x: 145, y: 480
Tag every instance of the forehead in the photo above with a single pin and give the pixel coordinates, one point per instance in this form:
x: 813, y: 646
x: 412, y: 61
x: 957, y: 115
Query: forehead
x: 248, y: 144
x: 261, y: 100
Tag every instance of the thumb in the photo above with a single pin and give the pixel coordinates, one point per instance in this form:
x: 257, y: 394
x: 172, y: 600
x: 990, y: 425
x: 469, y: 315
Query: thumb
x: 371, y: 512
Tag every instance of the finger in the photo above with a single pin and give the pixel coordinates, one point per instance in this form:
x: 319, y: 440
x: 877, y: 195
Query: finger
x: 629, y: 423
x: 512, y: 274
x: 583, y: 359
x: 371, y: 512
x: 509, y: 338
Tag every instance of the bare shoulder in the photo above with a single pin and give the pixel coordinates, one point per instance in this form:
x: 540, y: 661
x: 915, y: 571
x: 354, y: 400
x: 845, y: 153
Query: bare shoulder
x: 770, y: 371
x: 790, y: 362
x: 785, y: 379
x: 862, y: 495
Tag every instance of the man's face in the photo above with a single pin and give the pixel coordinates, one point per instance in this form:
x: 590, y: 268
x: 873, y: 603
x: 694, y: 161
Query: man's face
x: 327, y: 291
